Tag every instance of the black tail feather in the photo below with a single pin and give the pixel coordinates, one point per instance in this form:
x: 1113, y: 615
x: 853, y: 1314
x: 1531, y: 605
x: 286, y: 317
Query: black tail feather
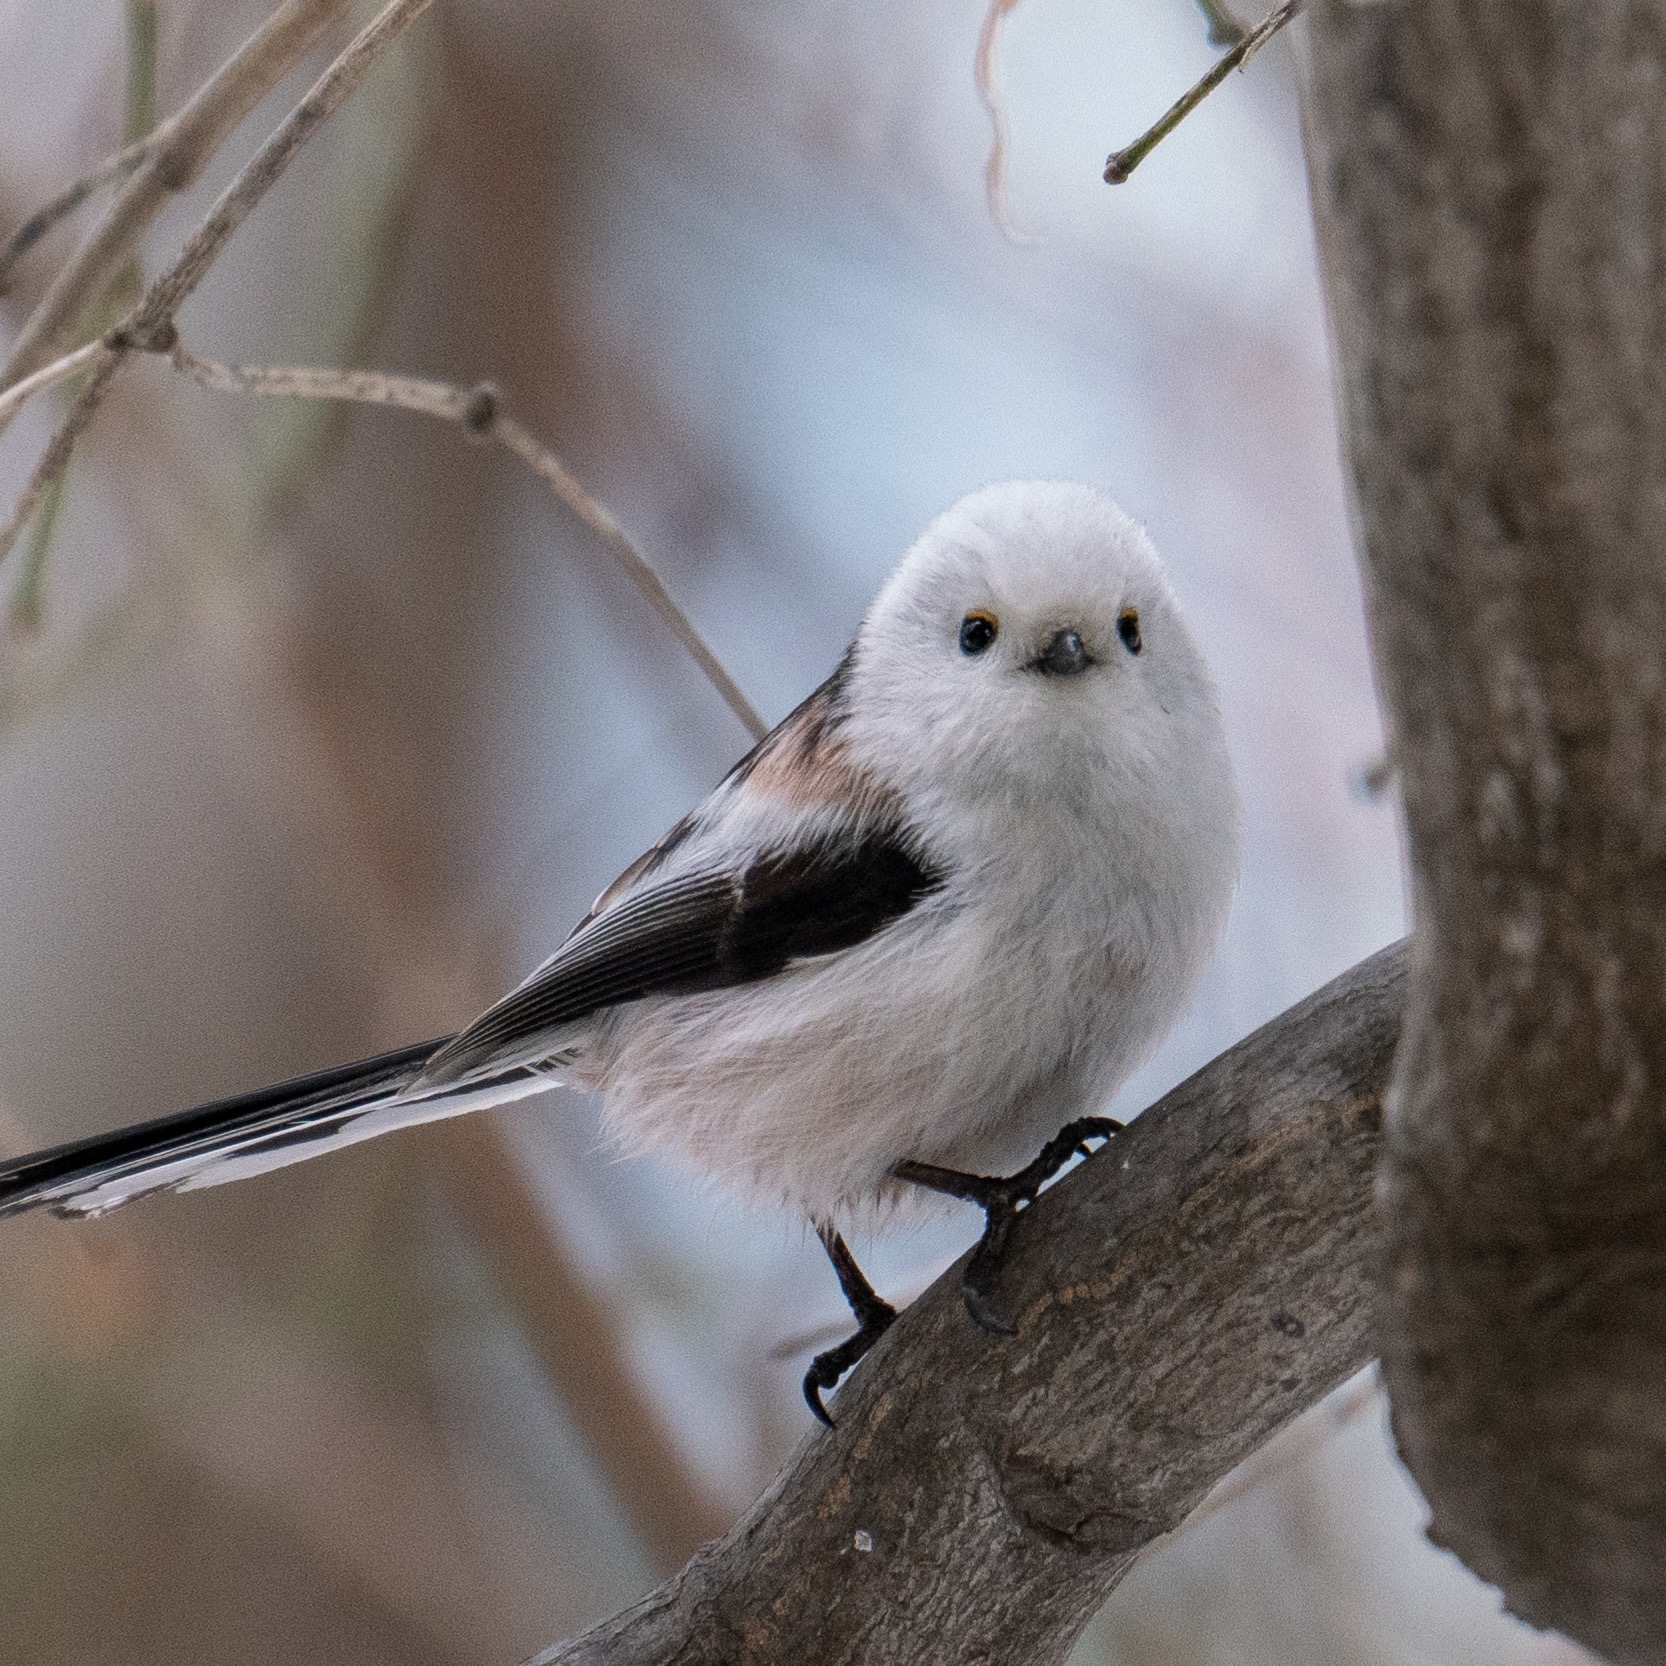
x: 267, y: 1117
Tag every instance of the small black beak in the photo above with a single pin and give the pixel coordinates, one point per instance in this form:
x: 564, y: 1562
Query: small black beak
x: 1062, y: 655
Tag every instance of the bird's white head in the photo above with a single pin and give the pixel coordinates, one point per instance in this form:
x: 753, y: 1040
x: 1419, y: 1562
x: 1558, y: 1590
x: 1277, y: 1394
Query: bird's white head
x: 1028, y: 650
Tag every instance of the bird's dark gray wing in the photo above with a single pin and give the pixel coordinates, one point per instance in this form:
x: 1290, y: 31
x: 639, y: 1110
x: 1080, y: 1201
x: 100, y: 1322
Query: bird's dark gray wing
x: 704, y: 931
x: 701, y: 931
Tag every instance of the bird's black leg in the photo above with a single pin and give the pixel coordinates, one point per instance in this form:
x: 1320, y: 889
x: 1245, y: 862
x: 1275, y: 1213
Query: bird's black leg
x: 1002, y: 1197
x: 873, y: 1318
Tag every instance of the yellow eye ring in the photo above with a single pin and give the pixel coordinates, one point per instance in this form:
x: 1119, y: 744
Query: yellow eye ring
x: 977, y: 630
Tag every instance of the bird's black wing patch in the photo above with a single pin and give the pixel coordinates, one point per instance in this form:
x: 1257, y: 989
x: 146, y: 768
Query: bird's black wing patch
x: 800, y: 903
x: 800, y: 735
x: 701, y: 932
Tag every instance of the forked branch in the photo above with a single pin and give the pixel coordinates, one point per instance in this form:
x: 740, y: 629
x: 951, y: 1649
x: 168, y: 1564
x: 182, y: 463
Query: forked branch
x: 152, y: 321
x: 156, y: 169
x: 481, y: 413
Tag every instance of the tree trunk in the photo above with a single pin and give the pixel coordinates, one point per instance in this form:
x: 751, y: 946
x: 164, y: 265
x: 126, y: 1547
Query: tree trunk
x: 1490, y: 184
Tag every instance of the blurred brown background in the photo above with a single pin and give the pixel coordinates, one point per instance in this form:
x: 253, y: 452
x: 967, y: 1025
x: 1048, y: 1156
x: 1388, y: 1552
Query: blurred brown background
x: 334, y: 723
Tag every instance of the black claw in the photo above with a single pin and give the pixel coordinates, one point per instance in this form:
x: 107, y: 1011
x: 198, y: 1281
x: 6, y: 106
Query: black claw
x: 874, y: 1316
x: 1003, y: 1198
x: 979, y: 1300
x: 826, y: 1369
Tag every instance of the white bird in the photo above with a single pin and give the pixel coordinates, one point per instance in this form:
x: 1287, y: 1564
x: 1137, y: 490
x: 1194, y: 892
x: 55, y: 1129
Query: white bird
x: 936, y: 916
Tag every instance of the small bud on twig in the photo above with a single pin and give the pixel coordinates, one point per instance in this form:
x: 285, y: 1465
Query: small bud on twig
x: 481, y: 412
x: 1121, y: 163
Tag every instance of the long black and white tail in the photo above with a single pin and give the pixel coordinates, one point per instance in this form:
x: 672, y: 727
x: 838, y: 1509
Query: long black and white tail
x: 249, y: 1134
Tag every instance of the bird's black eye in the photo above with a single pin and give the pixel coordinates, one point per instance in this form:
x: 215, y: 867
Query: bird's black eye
x: 1128, y: 628
x: 977, y: 631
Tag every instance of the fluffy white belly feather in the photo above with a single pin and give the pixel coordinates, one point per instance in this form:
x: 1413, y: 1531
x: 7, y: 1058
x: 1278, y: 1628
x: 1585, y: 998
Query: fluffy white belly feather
x: 807, y: 1090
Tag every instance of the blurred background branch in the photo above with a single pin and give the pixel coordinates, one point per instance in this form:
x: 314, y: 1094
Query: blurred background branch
x: 480, y: 412
x: 66, y: 202
x: 152, y: 321
x: 172, y: 162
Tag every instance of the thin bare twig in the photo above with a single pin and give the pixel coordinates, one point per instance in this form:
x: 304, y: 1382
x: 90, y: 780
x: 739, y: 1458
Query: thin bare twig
x: 67, y: 201
x: 511, y: 434
x: 178, y: 152
x: 480, y: 412
x: 104, y: 362
x: 477, y: 408
x: 1121, y: 163
x: 151, y: 324
x: 268, y: 164
x: 25, y: 606
x: 14, y: 398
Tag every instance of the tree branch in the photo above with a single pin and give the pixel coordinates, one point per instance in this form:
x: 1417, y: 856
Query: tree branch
x: 151, y: 323
x: 1485, y: 174
x: 1120, y: 164
x: 168, y: 162
x: 1181, y: 1296
x: 479, y: 411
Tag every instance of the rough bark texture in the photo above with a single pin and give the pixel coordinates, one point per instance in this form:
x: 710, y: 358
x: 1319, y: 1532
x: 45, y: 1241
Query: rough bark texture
x: 1490, y: 183
x: 1178, y: 1298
